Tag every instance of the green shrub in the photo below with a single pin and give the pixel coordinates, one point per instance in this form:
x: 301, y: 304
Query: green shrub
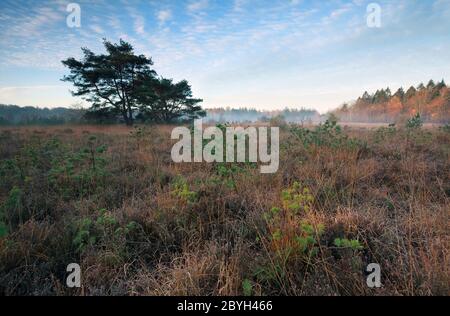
x: 3, y: 229
x: 182, y: 191
x: 227, y: 173
x: 10, y: 173
x: 328, y: 134
x: 297, y: 199
x: 79, y: 172
x: 247, y: 287
x: 415, y: 122
x: 12, y: 211
x: 445, y: 128
x: 84, y: 235
x: 348, y: 244
x: 290, y: 232
x: 384, y: 133
x: 105, y: 227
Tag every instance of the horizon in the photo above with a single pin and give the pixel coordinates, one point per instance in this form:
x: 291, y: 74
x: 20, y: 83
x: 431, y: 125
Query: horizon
x: 266, y: 55
x: 80, y: 106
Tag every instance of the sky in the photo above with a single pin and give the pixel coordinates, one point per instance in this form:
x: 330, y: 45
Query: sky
x: 263, y: 54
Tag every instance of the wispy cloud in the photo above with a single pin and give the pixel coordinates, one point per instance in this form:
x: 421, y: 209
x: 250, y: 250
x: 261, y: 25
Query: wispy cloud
x: 137, y: 19
x: 96, y: 28
x: 238, y: 50
x: 197, y: 5
x: 164, y: 15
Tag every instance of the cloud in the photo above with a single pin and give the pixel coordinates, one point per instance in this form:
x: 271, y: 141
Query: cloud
x: 139, y: 25
x: 31, y: 25
x: 197, y: 5
x: 238, y: 5
x: 96, y: 28
x: 337, y: 13
x: 138, y: 20
x: 164, y: 16
x: 341, y: 11
x: 114, y: 22
x: 226, y: 44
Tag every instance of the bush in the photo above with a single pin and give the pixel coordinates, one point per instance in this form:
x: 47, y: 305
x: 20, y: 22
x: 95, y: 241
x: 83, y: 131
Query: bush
x: 12, y: 211
x: 328, y: 134
x: 3, y: 228
x: 445, y: 128
x: 384, y: 133
x: 181, y: 190
x: 292, y: 238
x: 415, y: 122
x: 105, y: 228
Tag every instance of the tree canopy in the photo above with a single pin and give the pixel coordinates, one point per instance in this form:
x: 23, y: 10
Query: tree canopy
x: 165, y: 101
x: 123, y: 84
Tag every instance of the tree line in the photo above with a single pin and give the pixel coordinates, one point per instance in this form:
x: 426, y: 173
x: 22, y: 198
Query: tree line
x: 11, y: 115
x: 432, y: 90
x: 243, y: 115
x: 430, y: 101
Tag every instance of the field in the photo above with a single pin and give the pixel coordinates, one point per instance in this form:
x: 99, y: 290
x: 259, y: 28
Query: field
x: 111, y: 199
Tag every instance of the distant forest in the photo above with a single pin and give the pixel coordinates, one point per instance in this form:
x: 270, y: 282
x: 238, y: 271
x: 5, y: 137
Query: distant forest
x: 15, y: 115
x: 11, y: 115
x: 243, y: 115
x: 431, y: 101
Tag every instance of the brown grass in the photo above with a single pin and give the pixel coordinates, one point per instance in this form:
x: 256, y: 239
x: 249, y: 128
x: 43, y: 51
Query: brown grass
x: 391, y: 194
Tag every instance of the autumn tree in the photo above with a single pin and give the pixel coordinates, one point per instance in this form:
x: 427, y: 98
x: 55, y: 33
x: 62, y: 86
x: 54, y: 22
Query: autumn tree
x: 410, y: 93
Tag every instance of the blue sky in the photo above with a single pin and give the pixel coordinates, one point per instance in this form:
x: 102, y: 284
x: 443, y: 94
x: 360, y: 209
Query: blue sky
x: 266, y: 54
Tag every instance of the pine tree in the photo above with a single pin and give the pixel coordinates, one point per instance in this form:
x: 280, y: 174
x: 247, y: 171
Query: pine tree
x: 441, y: 85
x: 122, y: 84
x: 165, y: 101
x: 420, y: 87
x: 400, y: 93
x: 110, y: 81
x: 388, y: 92
x: 410, y: 93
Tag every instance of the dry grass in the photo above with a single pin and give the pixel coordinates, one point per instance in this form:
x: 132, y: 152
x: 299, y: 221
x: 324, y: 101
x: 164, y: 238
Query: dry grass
x: 390, y: 192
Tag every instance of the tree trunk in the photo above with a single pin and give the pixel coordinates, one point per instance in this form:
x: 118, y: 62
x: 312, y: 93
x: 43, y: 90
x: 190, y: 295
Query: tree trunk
x: 130, y: 116
x: 127, y: 114
x: 127, y: 120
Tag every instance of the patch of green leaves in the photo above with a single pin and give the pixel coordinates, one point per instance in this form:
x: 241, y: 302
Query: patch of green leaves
x: 89, y: 232
x: 3, y: 229
x: 348, y: 244
x: 328, y: 134
x: 297, y: 199
x: 415, y: 122
x: 384, y: 133
x: 182, y: 191
x: 247, y: 287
